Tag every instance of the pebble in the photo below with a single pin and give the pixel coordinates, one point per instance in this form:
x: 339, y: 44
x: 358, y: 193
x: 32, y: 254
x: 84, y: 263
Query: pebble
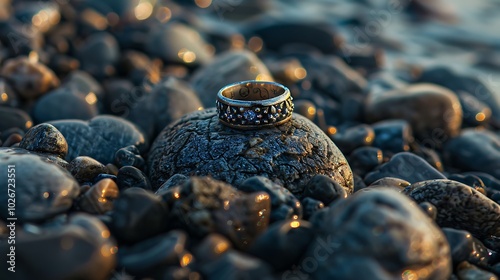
x: 85, y: 169
x: 392, y: 136
x: 465, y: 247
x: 380, y: 234
x: 139, y: 68
x: 76, y: 105
x: 45, y: 138
x: 137, y: 215
x: 99, y: 54
x: 324, y: 189
x: 364, y: 159
x: 204, y: 205
x: 467, y: 271
x: 475, y: 112
x: 474, y: 151
x: 29, y: 79
x: 459, y: 206
x: 433, y: 112
x: 148, y: 256
x: 228, y: 67
x: 176, y: 180
x: 14, y: 118
x: 9, y: 98
x: 129, y: 156
x: 283, y: 244
x: 43, y: 190
x: 99, y: 198
x: 83, y: 245
x: 84, y: 83
x: 131, y: 177
x: 100, y: 137
x: 278, y: 194
x: 470, y: 180
x: 49, y: 158
x: 178, y: 43
x: 429, y: 209
x: 12, y: 140
x: 406, y: 166
x: 298, y: 149
x: 311, y: 206
x: 212, y: 247
x: 391, y: 182
x: 354, y: 137
x: 236, y: 265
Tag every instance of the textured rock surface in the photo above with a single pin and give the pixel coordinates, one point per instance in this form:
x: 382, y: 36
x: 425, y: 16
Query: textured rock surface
x: 378, y: 234
x: 459, y: 206
x: 290, y: 154
x: 45, y: 138
x: 99, y: 138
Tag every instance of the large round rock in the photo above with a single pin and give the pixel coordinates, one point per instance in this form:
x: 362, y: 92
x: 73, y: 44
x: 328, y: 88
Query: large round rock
x: 289, y: 154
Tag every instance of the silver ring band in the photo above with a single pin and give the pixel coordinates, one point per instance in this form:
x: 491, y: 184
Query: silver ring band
x: 254, y: 105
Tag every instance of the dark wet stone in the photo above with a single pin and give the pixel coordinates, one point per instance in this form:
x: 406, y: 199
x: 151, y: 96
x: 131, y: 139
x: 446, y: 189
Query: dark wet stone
x: 406, y: 166
x: 393, y: 136
x: 42, y: 190
x: 103, y: 176
x: 99, y: 55
x: 324, y: 189
x: 84, y: 83
x: 366, y: 60
x: 241, y: 10
x: 470, y: 180
x: 475, y: 150
x: 139, y: 68
x: 352, y: 107
x: 365, y: 159
x: 459, y: 206
x: 76, y: 106
x: 121, y: 97
x: 391, y: 182
x: 467, y: 271
x: 282, y: 212
x: 278, y: 194
x: 353, y: 138
x: 285, y: 70
x: 457, y: 83
x: 14, y: 118
x: 176, y: 180
x: 488, y: 180
x: 45, y: 138
x: 99, y: 198
x: 204, y: 205
x: 211, y: 248
x: 279, y: 34
x: 475, y: 112
x: 26, y: 13
x: 433, y: 112
x: 137, y: 215
x: 333, y: 77
x: 311, y: 206
x: 377, y: 234
x: 429, y: 209
x: 465, y: 247
x: 129, y: 156
x: 8, y: 97
x: 49, y: 158
x: 29, y: 79
x: 62, y: 64
x: 236, y: 265
x: 298, y: 150
x: 359, y: 183
x: 13, y: 140
x: 112, y: 169
x: 226, y: 68
x: 168, y: 101
x: 147, y: 257
x: 429, y: 155
x: 283, y: 244
x: 178, y: 43
x: 131, y: 177
x: 85, y: 169
x: 80, y: 249
x: 100, y: 137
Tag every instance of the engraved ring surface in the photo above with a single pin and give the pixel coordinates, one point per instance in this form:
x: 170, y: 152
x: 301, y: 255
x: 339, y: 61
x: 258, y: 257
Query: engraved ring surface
x: 254, y: 105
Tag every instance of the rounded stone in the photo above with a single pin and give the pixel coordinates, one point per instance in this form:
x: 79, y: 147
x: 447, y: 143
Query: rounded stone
x: 434, y: 112
x: 378, y: 234
x: 45, y: 138
x: 289, y: 154
x: 459, y: 206
x: 85, y: 169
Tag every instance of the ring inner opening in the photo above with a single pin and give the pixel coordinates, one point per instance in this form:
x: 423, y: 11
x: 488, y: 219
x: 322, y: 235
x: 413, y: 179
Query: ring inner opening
x: 253, y: 91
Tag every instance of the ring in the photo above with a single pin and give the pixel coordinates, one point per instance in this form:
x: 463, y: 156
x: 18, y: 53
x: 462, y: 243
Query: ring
x: 254, y: 104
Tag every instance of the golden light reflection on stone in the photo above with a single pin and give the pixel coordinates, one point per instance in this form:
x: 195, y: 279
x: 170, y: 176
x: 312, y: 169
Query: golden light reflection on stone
x: 409, y: 275
x: 221, y: 247
x: 33, y: 57
x: 163, y: 14
x: 99, y: 21
x: 295, y: 224
x: 263, y: 77
x: 186, y: 55
x: 91, y: 98
x: 186, y: 259
x: 311, y: 110
x: 480, y: 117
x: 300, y: 73
x: 255, y: 44
x: 4, y: 97
x: 114, y: 250
x: 106, y: 251
x: 64, y: 193
x: 237, y: 41
x: 203, y: 3
x: 332, y: 130
x: 261, y: 197
x: 105, y: 234
x: 143, y: 10
x: 177, y: 195
x: 46, y: 195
